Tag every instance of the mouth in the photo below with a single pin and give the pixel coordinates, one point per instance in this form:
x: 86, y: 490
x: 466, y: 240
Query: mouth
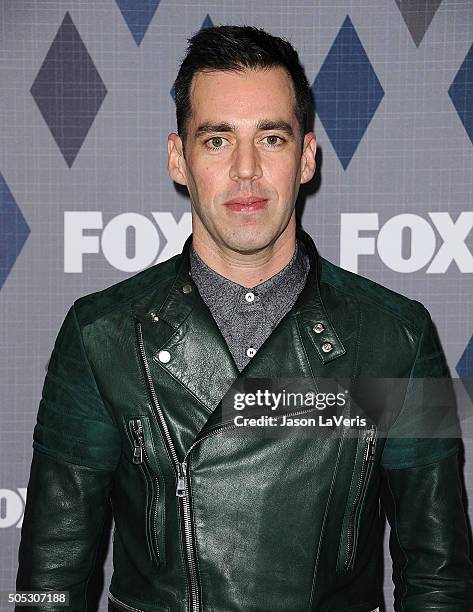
x: 246, y: 204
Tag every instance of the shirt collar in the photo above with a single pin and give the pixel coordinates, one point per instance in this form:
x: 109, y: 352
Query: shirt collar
x: 173, y: 300
x: 225, y: 297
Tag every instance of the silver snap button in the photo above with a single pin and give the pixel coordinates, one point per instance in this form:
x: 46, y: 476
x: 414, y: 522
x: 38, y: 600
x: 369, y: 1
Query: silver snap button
x: 164, y: 356
x: 327, y: 347
x: 251, y: 352
x: 249, y: 297
x: 153, y: 316
x: 318, y: 328
x: 187, y: 289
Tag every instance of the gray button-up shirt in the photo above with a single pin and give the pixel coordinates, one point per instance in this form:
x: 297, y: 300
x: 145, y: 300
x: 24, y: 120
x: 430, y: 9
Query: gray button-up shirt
x: 246, y: 317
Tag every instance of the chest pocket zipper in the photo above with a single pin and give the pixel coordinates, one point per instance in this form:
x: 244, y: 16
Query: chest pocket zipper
x: 117, y: 604
x: 141, y: 459
x: 123, y: 606
x: 351, y: 521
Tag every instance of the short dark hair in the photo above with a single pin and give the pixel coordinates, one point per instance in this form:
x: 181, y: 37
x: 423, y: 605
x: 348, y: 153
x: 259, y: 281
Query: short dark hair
x: 238, y: 48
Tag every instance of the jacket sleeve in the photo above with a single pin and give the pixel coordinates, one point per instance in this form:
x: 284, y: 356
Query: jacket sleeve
x: 76, y: 447
x: 421, y: 490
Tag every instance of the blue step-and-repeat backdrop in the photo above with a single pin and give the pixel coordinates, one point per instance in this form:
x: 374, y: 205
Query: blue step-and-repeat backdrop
x: 86, y: 103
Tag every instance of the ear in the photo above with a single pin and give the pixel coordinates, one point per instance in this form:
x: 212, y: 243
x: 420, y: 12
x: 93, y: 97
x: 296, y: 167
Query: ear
x: 309, y: 149
x: 176, y: 161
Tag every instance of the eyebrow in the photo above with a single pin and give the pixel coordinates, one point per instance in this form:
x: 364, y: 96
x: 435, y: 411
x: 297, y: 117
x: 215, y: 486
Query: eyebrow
x: 223, y: 126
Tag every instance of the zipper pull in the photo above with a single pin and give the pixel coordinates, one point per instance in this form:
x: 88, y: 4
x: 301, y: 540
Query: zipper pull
x: 181, y: 481
x: 138, y: 454
x: 138, y: 434
x: 370, y: 445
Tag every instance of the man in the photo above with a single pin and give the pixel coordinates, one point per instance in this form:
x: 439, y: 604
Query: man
x: 132, y: 411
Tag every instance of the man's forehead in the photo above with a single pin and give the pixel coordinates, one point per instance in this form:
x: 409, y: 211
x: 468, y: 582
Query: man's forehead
x: 230, y: 86
x: 205, y: 77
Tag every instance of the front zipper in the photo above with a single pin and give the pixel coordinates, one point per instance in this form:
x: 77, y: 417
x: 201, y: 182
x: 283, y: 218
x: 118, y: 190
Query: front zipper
x: 368, y: 458
x: 182, y: 490
x: 194, y: 593
x: 139, y: 452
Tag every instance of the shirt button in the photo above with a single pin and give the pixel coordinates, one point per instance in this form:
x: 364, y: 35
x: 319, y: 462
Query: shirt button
x: 251, y: 352
x: 249, y: 297
x: 318, y: 328
x: 187, y: 288
x: 164, y: 356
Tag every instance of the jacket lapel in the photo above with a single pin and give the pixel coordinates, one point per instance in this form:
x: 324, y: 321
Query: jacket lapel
x: 183, y: 345
x: 285, y: 354
x: 182, y: 340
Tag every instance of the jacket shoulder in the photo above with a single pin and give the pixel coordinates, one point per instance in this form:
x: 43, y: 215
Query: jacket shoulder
x: 372, y: 295
x: 120, y: 295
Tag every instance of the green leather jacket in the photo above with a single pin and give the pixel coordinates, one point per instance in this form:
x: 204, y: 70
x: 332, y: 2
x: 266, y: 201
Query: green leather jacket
x: 205, y: 520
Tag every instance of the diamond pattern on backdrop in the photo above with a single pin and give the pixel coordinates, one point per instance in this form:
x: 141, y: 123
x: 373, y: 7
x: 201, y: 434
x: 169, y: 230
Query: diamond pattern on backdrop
x: 207, y: 23
x: 465, y: 368
x: 461, y: 93
x: 68, y: 90
x: 418, y: 15
x: 138, y: 14
x: 347, y: 93
x: 14, y: 230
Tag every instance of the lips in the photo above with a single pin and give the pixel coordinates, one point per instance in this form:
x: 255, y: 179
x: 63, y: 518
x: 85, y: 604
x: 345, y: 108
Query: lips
x: 246, y: 204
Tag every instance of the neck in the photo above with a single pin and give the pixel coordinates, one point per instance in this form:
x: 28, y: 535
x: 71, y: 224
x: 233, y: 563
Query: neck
x: 252, y: 269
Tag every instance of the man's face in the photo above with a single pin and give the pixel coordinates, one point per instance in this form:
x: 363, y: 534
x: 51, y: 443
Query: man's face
x: 244, y: 158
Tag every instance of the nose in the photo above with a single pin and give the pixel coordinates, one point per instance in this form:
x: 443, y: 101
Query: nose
x: 246, y: 163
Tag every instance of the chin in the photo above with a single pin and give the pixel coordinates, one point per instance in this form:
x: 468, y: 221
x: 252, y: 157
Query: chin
x: 249, y: 241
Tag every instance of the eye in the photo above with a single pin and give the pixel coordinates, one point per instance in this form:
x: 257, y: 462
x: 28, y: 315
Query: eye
x: 273, y: 141
x: 216, y: 142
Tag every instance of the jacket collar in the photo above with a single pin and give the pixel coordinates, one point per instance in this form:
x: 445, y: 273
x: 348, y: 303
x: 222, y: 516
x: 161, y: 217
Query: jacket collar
x: 310, y: 309
x: 176, y: 321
